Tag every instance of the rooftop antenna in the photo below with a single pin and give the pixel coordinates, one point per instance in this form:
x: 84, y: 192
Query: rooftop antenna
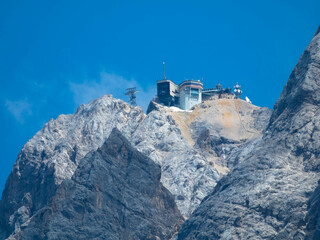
x: 237, y: 90
x: 164, y: 66
x: 132, y: 95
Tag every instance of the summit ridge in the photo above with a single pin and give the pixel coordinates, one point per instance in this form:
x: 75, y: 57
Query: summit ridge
x: 222, y: 169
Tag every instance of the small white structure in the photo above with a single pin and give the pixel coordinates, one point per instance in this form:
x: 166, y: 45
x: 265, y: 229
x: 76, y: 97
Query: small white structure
x: 247, y: 99
x: 237, y: 90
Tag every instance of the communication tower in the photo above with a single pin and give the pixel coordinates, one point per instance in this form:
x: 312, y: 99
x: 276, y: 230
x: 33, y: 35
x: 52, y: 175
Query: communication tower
x: 237, y: 90
x: 131, y: 92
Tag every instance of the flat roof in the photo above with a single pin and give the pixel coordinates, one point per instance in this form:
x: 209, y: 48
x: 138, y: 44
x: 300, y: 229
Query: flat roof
x: 194, y: 84
x: 167, y: 80
x: 191, y: 81
x: 212, y: 90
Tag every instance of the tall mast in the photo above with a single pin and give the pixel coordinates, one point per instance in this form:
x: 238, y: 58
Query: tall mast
x: 164, y: 75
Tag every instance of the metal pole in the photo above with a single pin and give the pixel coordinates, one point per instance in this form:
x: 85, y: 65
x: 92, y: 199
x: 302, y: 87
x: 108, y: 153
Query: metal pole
x: 164, y: 75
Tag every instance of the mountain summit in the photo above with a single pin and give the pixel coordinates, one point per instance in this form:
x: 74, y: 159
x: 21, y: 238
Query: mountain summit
x: 229, y: 169
x: 271, y: 193
x: 193, y: 148
x: 115, y: 193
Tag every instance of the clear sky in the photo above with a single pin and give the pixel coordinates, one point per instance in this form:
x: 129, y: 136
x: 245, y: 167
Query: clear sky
x: 55, y: 55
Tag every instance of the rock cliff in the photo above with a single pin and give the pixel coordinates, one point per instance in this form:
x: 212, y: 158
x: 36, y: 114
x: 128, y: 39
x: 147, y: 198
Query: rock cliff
x: 115, y: 193
x: 53, y: 155
x: 272, y: 192
x: 194, y: 149
x: 232, y: 169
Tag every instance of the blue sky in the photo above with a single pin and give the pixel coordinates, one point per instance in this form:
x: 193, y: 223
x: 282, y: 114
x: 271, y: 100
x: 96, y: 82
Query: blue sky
x: 55, y: 55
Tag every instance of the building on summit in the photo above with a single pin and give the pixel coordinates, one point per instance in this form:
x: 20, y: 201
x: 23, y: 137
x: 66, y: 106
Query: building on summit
x: 188, y: 93
x: 168, y: 92
x: 185, y: 95
x: 218, y: 90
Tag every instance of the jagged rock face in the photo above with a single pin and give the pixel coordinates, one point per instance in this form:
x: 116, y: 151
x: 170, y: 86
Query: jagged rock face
x: 270, y: 194
x: 53, y: 154
x: 194, y: 149
x: 185, y: 172
x: 115, y: 193
x: 301, y: 88
x: 313, y: 216
x: 223, y: 125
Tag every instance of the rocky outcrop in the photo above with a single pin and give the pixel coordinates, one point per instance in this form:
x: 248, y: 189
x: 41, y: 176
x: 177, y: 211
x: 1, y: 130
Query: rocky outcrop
x: 192, y: 146
x: 313, y: 216
x: 115, y: 193
x: 270, y: 193
x: 53, y: 155
x: 227, y: 124
x: 194, y: 149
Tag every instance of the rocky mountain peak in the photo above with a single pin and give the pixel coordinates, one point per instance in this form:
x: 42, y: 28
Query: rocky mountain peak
x: 318, y: 30
x: 303, y: 86
x: 53, y: 155
x: 273, y: 193
x: 193, y: 148
x: 117, y: 194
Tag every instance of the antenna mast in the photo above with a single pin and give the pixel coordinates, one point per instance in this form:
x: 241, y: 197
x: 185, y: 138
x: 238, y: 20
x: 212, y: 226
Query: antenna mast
x: 237, y: 90
x: 164, y: 75
x: 132, y: 95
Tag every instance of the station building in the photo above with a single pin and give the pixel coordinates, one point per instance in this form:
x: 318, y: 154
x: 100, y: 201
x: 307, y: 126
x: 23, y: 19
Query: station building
x: 188, y: 93
x: 168, y: 93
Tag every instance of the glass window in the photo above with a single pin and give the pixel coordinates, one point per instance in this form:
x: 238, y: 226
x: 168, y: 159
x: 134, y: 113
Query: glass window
x: 194, y: 91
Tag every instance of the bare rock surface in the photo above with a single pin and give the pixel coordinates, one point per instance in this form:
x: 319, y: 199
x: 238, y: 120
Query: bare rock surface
x: 115, y: 193
x: 194, y: 149
x: 272, y: 192
x: 53, y: 155
x: 193, y: 146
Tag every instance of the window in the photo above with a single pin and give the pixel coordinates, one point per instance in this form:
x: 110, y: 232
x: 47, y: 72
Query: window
x: 194, y: 97
x: 194, y: 91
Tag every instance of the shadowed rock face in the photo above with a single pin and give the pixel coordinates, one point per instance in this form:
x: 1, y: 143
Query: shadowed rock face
x: 271, y: 193
x: 53, y: 154
x: 194, y: 149
x: 313, y: 216
x: 115, y: 193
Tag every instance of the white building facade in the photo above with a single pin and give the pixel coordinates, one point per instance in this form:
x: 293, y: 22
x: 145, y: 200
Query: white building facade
x: 190, y: 92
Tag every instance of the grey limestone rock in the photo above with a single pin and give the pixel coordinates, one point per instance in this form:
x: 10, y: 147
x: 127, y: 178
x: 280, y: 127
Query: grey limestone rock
x: 271, y: 192
x: 115, y: 193
x: 194, y: 149
x: 53, y: 155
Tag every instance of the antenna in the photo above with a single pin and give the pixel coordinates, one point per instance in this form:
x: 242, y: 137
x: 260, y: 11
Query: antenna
x: 164, y: 66
x: 132, y: 94
x: 237, y: 90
